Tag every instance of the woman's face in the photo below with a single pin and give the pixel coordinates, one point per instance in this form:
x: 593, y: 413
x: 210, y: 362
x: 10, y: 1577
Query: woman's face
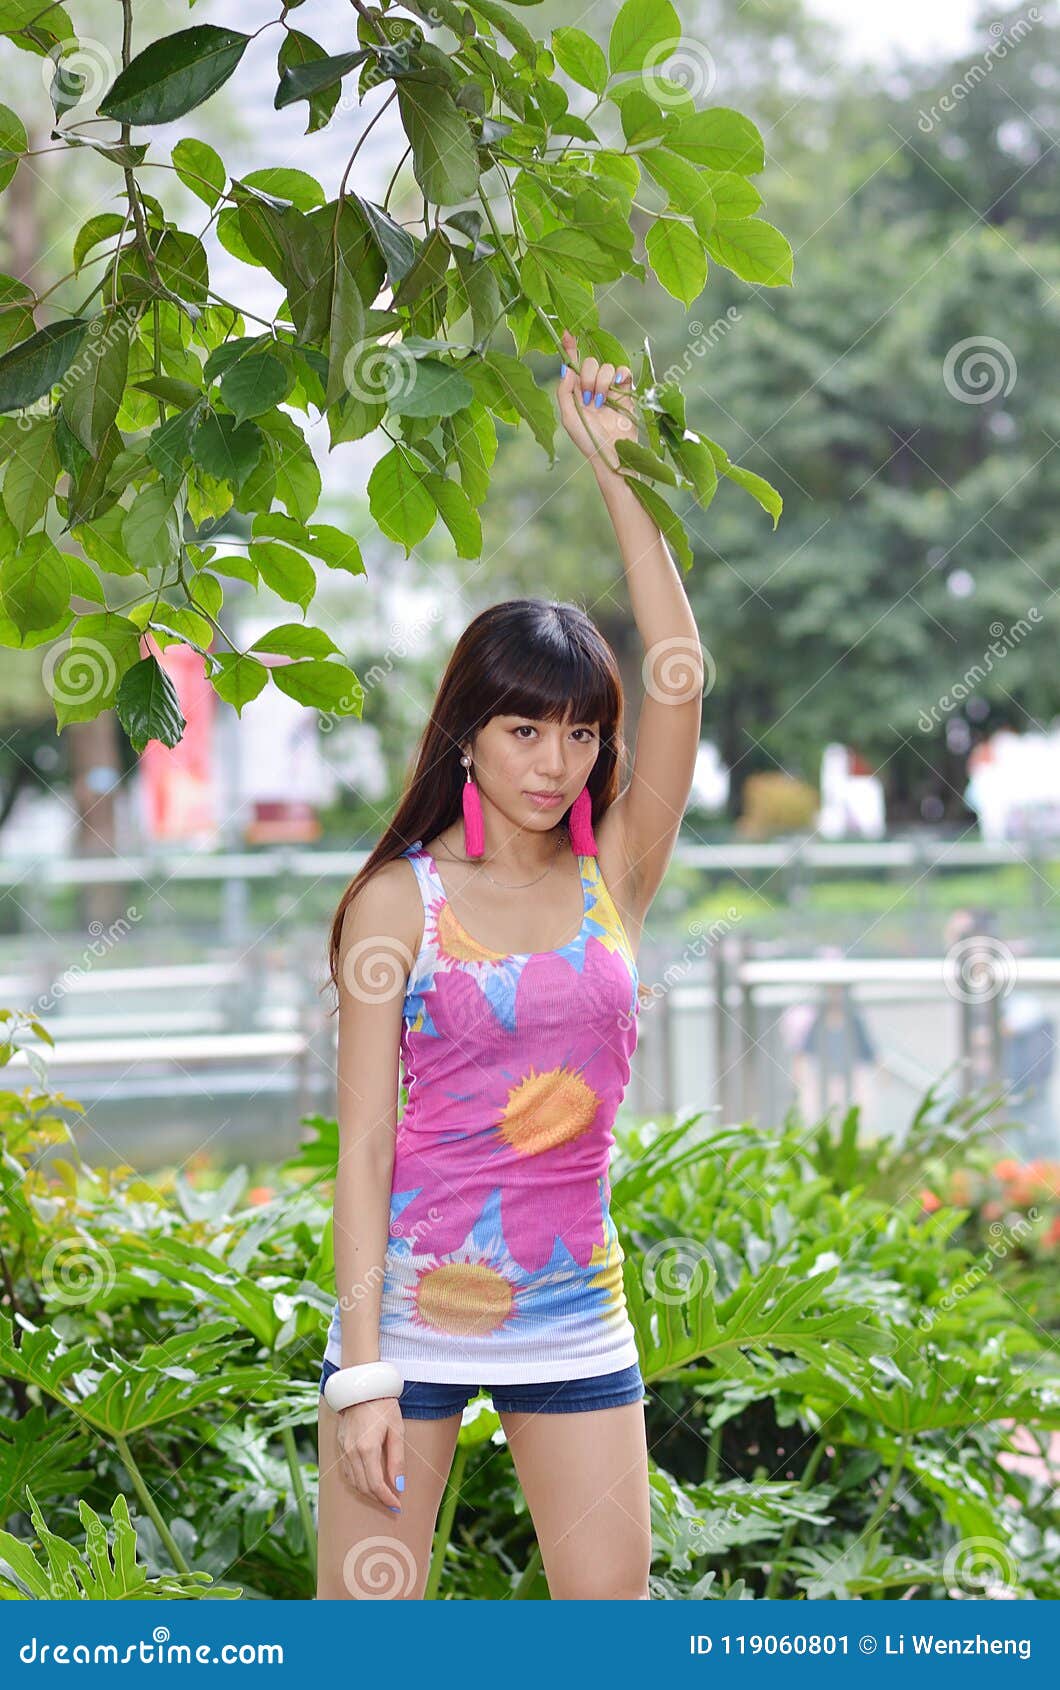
x: 515, y: 756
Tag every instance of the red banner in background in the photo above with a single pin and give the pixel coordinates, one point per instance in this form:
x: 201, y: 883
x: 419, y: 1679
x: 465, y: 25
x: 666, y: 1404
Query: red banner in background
x: 178, y: 783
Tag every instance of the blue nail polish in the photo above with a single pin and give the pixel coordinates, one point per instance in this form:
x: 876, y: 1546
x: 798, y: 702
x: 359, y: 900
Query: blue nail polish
x: 620, y: 377
x: 393, y: 1509
x: 563, y: 369
x: 599, y: 400
x: 586, y: 395
x: 399, y: 1482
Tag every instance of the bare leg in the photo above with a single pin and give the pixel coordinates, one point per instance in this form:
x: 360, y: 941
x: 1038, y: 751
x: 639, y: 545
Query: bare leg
x: 364, y: 1551
x: 585, y: 1479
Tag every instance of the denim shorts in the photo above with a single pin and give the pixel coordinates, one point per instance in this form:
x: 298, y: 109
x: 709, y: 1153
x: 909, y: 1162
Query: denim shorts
x: 422, y: 1399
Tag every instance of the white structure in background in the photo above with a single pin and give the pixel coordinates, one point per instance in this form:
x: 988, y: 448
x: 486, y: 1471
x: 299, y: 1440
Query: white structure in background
x: 710, y: 779
x: 852, y: 804
x: 1014, y: 785
x: 280, y: 774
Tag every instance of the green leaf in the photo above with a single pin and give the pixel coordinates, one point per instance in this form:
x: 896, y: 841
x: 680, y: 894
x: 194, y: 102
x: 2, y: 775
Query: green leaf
x: 94, y: 386
x: 174, y: 75
x: 444, y: 158
x: 63, y: 1572
x: 399, y: 501
x: 238, y: 679
x: 325, y: 686
x: 675, y: 253
x: 170, y: 389
x: 200, y: 169
x: 226, y: 449
x: 721, y: 138
x: 474, y: 447
x: 31, y: 369
x: 98, y: 228
x: 637, y: 457
x: 150, y: 529
x: 760, y: 489
x: 31, y: 474
x: 284, y: 570
x: 641, y: 26
x: 346, y: 329
x: 581, y: 57
x: 511, y: 29
x: 85, y: 678
x: 254, y: 384
x: 297, y: 476
x: 296, y: 52
x: 697, y: 465
x: 330, y: 545
x: 35, y: 585
x: 299, y: 80
x: 576, y: 252
x: 458, y: 514
x: 508, y: 388
x: 147, y: 705
x: 294, y: 639
x: 13, y: 138
x: 169, y: 446
x: 753, y: 249
x: 733, y: 195
x: 283, y: 182
x: 686, y: 186
x: 436, y: 390
x: 669, y: 525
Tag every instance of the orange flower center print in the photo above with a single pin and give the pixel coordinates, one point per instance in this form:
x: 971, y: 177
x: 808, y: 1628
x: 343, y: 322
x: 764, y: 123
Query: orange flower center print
x: 546, y: 1110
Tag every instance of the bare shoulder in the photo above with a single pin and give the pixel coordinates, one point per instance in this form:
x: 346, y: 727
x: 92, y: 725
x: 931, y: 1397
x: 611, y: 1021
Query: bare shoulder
x: 385, y: 917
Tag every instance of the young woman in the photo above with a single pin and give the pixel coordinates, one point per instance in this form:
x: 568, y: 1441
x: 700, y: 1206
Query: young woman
x: 489, y: 942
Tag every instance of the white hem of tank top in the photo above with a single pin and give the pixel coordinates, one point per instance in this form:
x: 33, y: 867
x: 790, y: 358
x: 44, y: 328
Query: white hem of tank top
x: 504, y: 1373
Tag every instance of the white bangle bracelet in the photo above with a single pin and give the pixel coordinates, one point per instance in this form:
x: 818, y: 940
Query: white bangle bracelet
x: 362, y: 1383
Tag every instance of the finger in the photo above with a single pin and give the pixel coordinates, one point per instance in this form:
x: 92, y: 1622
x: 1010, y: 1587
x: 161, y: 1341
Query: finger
x: 587, y: 379
x: 378, y: 1483
x: 569, y: 371
x: 604, y: 378
x: 395, y: 1454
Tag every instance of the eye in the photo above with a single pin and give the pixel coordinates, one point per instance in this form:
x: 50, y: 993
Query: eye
x: 523, y: 725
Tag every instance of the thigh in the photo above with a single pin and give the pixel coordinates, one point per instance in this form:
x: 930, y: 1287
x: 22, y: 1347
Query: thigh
x: 364, y: 1551
x: 585, y: 1479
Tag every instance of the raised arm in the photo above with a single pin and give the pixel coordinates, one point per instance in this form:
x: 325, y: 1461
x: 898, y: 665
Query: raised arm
x: 647, y: 814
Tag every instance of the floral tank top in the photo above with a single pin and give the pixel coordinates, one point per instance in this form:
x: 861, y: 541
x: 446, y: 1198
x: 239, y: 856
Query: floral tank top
x: 503, y: 1265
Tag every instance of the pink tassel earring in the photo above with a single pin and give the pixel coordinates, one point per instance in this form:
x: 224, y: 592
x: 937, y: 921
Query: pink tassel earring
x: 581, y: 825
x: 474, y: 828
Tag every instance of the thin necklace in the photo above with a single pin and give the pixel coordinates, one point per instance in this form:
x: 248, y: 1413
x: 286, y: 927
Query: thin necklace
x: 510, y: 886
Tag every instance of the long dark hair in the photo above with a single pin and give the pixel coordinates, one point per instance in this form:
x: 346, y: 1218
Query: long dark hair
x: 524, y: 657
